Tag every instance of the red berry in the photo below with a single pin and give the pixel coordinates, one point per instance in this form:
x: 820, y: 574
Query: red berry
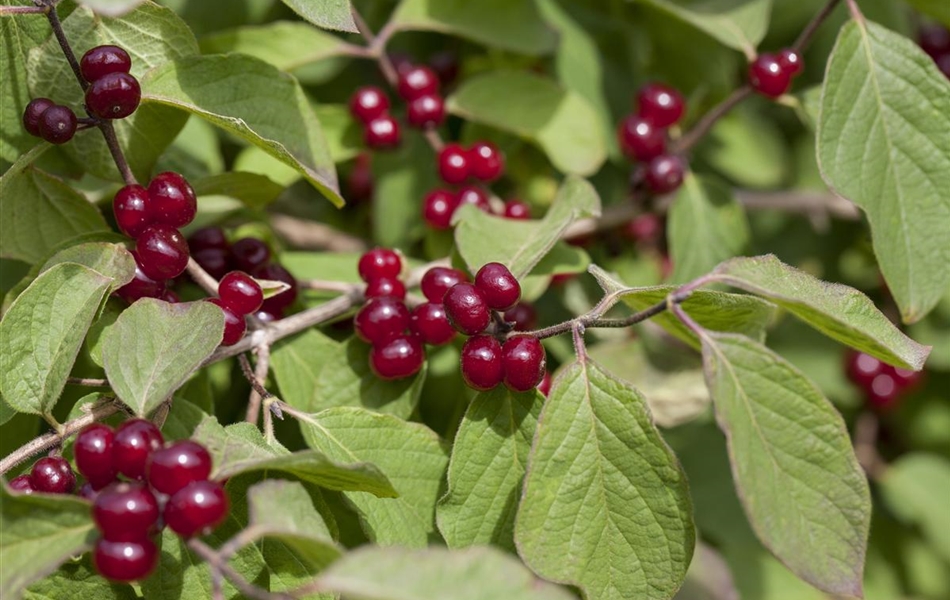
x: 240, y: 293
x: 453, y: 164
x: 125, y: 561
x: 466, y: 308
x: 862, y: 368
x: 141, y: 286
x: 382, y: 133
x: 485, y: 161
x: 131, y: 206
x: 426, y: 111
x: 644, y: 229
x: 446, y: 66
x: 438, y: 207
x: 52, y: 475
x: 359, y: 183
x: 134, y: 441
x: 368, y: 103
x: 32, y: 113
x: 934, y: 39
x: 173, y: 200
x: 437, y: 281
x: 125, y: 512
x: 175, y: 466
x: 93, y: 453
x: 417, y: 81
x: 883, y: 391
x: 545, y: 386
x: 57, y: 124
x: 163, y: 252
x: 274, y: 272
x: 660, y: 104
x: 216, y: 261
x: 379, y: 262
x: 517, y: 210
x: 499, y: 287
x: 523, y: 361
x: 98, y: 62
x: 208, y: 237
x: 397, y: 357
x: 522, y: 316
x: 640, y: 139
x: 380, y: 319
x: 250, y: 254
x: 265, y: 316
x: 430, y: 323
x: 21, y: 484
x: 906, y: 379
x: 234, y: 324
x: 199, y: 506
x: 481, y: 362
x: 665, y: 174
x: 385, y: 286
x: 791, y: 62
x: 768, y: 77
x: 473, y: 195
x: 113, y: 96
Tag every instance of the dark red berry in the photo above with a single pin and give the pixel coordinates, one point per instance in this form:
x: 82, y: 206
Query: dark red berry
x: 171, y: 468
x: 644, y: 229
x: 397, y: 357
x: 250, y: 254
x: 265, y: 316
x: 426, y: 111
x: 163, y: 252
x: 93, y: 453
x: 660, y: 104
x: 470, y: 194
x: 545, y: 386
x: 446, y: 66
x: 640, y: 139
x: 141, y: 286
x: 216, y: 261
x: 114, y: 96
x: 481, y: 362
x: 862, y: 368
x: 234, y: 324
x: 57, y: 124
x: 517, y: 210
x: 438, y: 280
x: 438, y: 207
x: 131, y: 206
x: 906, y: 379
x: 499, y: 287
x: 380, y: 319
x: 791, y: 61
x: 417, y: 81
x: 198, y: 507
x: 522, y: 316
x: 240, y: 293
x: 431, y: 324
x: 883, y: 391
x: 21, y: 484
x: 934, y: 39
x: 98, y: 62
x: 208, y: 237
x: 170, y: 296
x: 52, y: 475
x: 134, y: 441
x: 523, y: 361
x: 359, y: 182
x: 382, y: 133
x: 385, y: 286
x: 274, y: 272
x: 466, y: 308
x: 32, y: 113
x: 768, y: 77
x: 485, y: 161
x: 665, y: 174
x: 368, y: 103
x: 173, y: 200
x: 379, y: 262
x: 125, y: 561
x: 453, y: 164
x: 125, y: 512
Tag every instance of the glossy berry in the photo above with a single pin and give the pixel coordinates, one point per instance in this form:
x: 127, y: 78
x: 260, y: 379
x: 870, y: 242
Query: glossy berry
x: 397, y: 357
x: 141, y: 286
x: 499, y: 287
x: 485, y: 161
x: 431, y: 324
x: 93, y: 454
x: 438, y: 208
x: 470, y: 194
x: 216, y: 261
x: 665, y: 174
x: 21, y: 484
x: 379, y: 262
x: 382, y: 133
x: 523, y: 361
x: 171, y: 468
x: 125, y: 561
x: 368, y: 103
x: 266, y: 316
x: 437, y: 281
x: 453, y: 164
x: 240, y: 293
x: 98, y: 62
x: 274, y: 272
x: 52, y: 475
x: 250, y: 254
x: 883, y: 391
x: 114, y: 96
x: 466, y: 308
x: 385, y: 286
x: 163, y: 252
x: 417, y: 81
x: 640, y: 139
x: 521, y: 316
x: 131, y: 206
x: 545, y: 386
x: 32, y: 113
x: 208, y: 237
x: 768, y: 77
x: 134, y: 441
x: 173, y: 200
x: 660, y: 104
x: 125, y: 512
x: 234, y: 324
x: 198, y: 507
x: 57, y: 124
x: 481, y: 362
x: 862, y: 368
x: 380, y: 319
x: 791, y: 61
x: 426, y: 111
x: 517, y: 210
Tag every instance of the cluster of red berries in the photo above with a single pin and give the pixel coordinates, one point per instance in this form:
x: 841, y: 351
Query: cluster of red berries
x: 934, y: 39
x: 771, y: 74
x: 643, y: 138
x: 883, y: 385
x: 52, y: 122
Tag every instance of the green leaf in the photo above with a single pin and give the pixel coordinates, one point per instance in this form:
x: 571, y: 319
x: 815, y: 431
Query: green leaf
x: 749, y: 149
x: 40, y: 532
x: 18, y: 35
x: 78, y: 581
x: 410, y: 454
x: 739, y: 24
x: 706, y: 226
x: 344, y: 133
x: 402, y: 177
x: 561, y: 122
x: 328, y: 14
x: 435, y: 574
x: 800, y: 484
x: 488, y: 462
x: 884, y: 143
x: 605, y: 505
x: 916, y: 488
x: 42, y: 332
x: 520, y: 245
x: 254, y: 101
x: 838, y: 311
x: 255, y: 191
x: 938, y: 9
x: 153, y: 35
x: 512, y: 25
x: 111, y: 8
x: 154, y: 346
x: 109, y: 259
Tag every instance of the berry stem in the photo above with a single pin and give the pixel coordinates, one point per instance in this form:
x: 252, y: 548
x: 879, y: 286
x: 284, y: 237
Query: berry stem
x: 88, y: 382
x: 219, y: 564
x: 593, y: 320
x: 694, y: 135
x: 22, y: 10
x: 208, y: 283
x: 804, y: 38
x: 57, y: 26
x: 256, y: 377
x: 866, y: 429
x: 108, y: 132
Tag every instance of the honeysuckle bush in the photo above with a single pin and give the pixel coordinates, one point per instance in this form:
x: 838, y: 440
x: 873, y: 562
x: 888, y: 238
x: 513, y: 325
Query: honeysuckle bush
x: 700, y: 439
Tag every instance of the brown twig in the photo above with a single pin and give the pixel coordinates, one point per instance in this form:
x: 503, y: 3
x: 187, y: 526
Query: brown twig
x: 88, y: 382
x: 594, y: 320
x: 805, y: 37
x: 702, y: 127
x: 311, y: 235
x: 256, y: 378
x: 866, y: 429
x: 22, y: 10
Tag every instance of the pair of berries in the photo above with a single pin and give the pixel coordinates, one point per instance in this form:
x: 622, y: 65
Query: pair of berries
x: 883, y: 385
x: 52, y: 122
x: 771, y: 74
x: 934, y: 39
x: 50, y: 475
x: 482, y: 161
x: 642, y: 136
x: 419, y: 86
x: 439, y: 206
x: 238, y: 296
x: 112, y: 93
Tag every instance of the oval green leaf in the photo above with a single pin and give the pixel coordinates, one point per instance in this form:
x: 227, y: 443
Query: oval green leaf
x: 739, y: 24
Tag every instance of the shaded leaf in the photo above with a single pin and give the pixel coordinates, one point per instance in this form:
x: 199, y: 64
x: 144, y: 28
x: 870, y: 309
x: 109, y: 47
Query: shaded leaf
x: 916, y: 488
x: 739, y: 24
x: 111, y: 8
x: 288, y: 45
x: 78, y: 582
x: 255, y: 191
x: 17, y: 37
x: 328, y: 14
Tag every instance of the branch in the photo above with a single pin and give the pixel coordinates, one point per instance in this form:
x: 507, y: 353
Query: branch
x: 220, y: 565
x: 593, y: 320
x: 311, y: 235
x: 702, y: 127
x: 256, y: 378
x: 23, y: 10
x: 805, y: 37
x: 87, y: 382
